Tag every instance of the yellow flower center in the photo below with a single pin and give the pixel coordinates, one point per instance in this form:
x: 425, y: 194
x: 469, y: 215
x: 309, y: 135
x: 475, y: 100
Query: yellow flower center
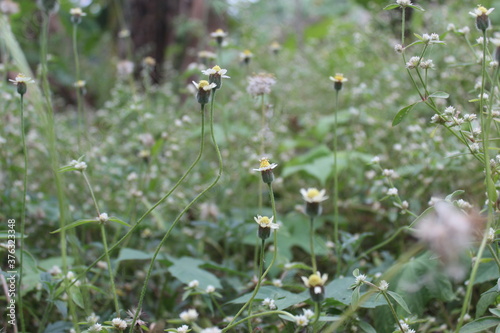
x: 203, y: 83
x: 315, y: 280
x: 265, y: 220
x: 216, y: 68
x: 219, y: 31
x: 264, y: 163
x: 312, y: 193
x: 339, y: 77
x: 247, y: 52
x: 482, y: 9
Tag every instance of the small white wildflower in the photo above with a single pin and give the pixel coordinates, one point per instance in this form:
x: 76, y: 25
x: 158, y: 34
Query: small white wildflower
x: 398, y: 48
x: 308, y: 313
x: 484, y: 96
x: 360, y: 279
x: 269, y: 303
x: 388, y: 172
x: 384, y: 285
x: 405, y: 205
x: 277, y: 283
x: 495, y: 113
x: 211, y: 330
x: 95, y: 328
x: 470, y: 116
x: 493, y: 64
x: 427, y: 64
x: 93, y: 318
x: 392, y: 191
x: 183, y: 329
x: 80, y: 166
x: 404, y: 3
x: 375, y: 159
x: 461, y: 203
x: 210, y: 289
x: 189, y: 315
x: 465, y: 30
x: 413, y: 62
x: 491, y: 235
x: 449, y: 110
x: 451, y: 27
x: 475, y: 147
x: 301, y: 320
x: 119, y: 323
x: 103, y: 218
x: 193, y: 284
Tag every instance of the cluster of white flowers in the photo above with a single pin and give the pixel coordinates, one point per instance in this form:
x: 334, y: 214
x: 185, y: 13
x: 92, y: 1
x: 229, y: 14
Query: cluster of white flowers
x: 269, y: 302
x: 119, y: 323
x: 384, y: 285
x: 430, y: 39
x: 189, y: 315
x: 392, y: 191
x: 360, y: 279
x: 80, y: 166
x: 301, y: 320
x: 452, y: 116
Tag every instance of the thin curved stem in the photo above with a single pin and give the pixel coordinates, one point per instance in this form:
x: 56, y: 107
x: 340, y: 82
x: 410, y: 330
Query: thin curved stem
x: 78, y: 89
x: 150, y: 210
x: 158, y: 248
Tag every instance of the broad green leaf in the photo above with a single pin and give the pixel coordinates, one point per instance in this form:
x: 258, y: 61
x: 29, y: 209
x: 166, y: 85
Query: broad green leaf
x: 439, y: 94
x: 73, y: 225
x: 480, y: 325
x: 186, y: 269
x: 495, y: 311
x: 399, y: 300
x: 402, y: 114
x: 339, y: 290
x: 497, y: 330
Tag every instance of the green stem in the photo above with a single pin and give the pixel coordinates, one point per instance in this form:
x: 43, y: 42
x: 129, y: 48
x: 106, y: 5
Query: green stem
x: 257, y: 287
x: 267, y: 313
x: 23, y: 216
x: 78, y: 89
x: 261, y: 275
x: 336, y: 237
x: 158, y: 248
x: 45, y: 317
x: 52, y: 148
x: 91, y: 193
x: 393, y: 311
x: 217, y: 305
x: 159, y: 202
x: 490, y: 187
x: 317, y: 310
x: 311, y: 243
x: 110, y: 269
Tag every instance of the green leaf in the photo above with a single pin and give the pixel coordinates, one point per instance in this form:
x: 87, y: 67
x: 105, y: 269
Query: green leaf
x: 497, y: 330
x: 355, y: 297
x: 450, y: 197
x: 399, y: 300
x: 367, y: 328
x: 76, y: 296
x: 402, y: 114
x: 495, y: 311
x: 417, y: 7
x: 389, y: 7
x: 480, y: 325
x: 116, y: 220
x: 131, y: 254
x: 339, y: 290
x: 439, y: 94
x: 186, y: 270
x: 487, y: 298
x: 73, y: 225
x: 282, y: 298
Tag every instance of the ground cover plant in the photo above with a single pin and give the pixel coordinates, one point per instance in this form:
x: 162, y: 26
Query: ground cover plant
x: 313, y: 167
